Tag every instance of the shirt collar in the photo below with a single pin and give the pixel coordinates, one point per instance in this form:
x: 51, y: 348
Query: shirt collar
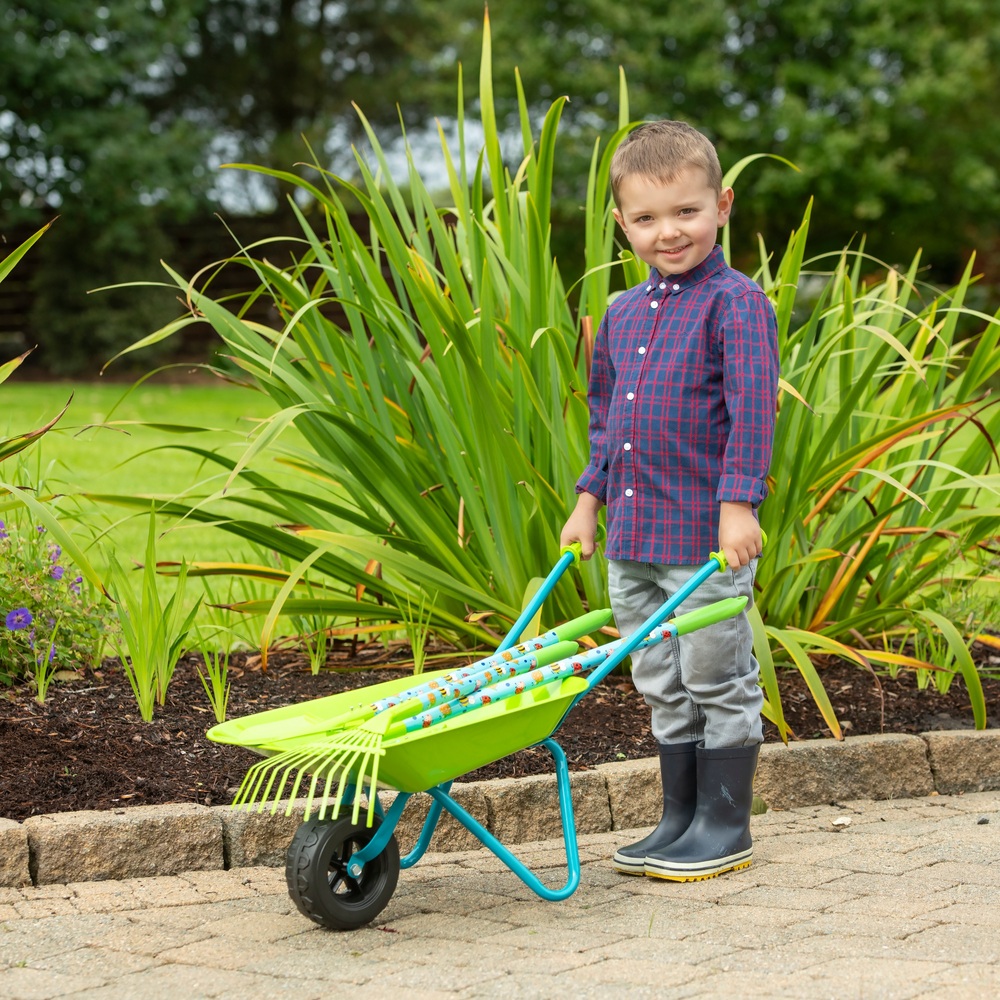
x: 675, y: 283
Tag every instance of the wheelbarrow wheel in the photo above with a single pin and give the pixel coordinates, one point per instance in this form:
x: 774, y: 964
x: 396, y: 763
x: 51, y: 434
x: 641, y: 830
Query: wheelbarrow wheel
x: 318, y: 879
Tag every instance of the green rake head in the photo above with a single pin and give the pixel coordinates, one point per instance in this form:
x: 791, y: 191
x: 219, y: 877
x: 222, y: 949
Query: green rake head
x: 352, y: 756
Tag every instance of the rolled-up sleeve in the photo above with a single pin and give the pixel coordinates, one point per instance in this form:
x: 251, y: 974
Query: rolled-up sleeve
x: 749, y: 342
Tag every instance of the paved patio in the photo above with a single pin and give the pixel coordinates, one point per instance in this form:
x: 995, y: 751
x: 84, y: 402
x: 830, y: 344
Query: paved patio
x: 860, y: 900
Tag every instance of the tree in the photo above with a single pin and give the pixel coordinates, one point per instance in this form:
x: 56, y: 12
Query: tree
x: 262, y: 75
x: 885, y: 106
x: 84, y: 133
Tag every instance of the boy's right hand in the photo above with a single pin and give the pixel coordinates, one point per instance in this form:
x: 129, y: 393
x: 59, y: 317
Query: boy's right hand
x: 581, y: 526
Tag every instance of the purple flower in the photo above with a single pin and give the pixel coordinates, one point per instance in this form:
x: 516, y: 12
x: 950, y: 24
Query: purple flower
x: 75, y: 585
x: 18, y: 619
x: 3, y: 530
x: 57, y: 572
x: 41, y: 656
x: 40, y: 529
x: 55, y: 552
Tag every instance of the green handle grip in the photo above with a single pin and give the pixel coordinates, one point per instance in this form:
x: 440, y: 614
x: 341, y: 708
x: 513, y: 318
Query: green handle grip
x: 709, y: 615
x: 585, y: 624
x: 576, y: 549
x: 557, y: 651
x: 721, y: 559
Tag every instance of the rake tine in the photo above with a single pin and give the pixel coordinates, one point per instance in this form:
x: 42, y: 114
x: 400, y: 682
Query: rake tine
x: 255, y: 778
x: 346, y: 764
x: 322, y: 758
x: 369, y: 756
x: 331, y: 773
x: 252, y: 781
x: 289, y: 761
x: 373, y: 789
x: 302, y: 769
x: 344, y: 775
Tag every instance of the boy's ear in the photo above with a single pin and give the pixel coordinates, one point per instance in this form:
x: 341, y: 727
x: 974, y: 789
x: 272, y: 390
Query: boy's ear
x: 725, y: 205
x: 618, y: 218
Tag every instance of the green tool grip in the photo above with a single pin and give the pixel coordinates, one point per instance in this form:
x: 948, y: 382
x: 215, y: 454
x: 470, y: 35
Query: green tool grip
x: 709, y: 615
x: 557, y: 651
x: 585, y: 624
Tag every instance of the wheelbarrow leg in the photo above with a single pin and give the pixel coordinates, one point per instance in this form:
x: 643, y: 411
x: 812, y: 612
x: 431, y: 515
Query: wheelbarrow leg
x: 528, y: 877
x: 430, y: 825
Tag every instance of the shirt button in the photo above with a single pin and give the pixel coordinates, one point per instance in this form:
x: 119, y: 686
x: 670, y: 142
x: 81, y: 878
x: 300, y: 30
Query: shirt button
x: 649, y: 288
x: 630, y: 395
x: 663, y: 284
x: 653, y: 304
x: 628, y: 493
x: 627, y: 446
x: 642, y: 350
x: 677, y: 288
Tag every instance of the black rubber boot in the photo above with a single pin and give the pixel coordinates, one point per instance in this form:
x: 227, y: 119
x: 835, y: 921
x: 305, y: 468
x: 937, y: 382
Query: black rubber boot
x: 718, y: 838
x: 677, y: 774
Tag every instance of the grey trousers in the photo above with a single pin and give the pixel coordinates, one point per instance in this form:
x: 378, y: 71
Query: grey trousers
x: 701, y: 686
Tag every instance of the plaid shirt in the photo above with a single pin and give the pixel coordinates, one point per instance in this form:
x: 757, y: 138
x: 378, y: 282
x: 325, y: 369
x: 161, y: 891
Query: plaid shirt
x: 682, y: 399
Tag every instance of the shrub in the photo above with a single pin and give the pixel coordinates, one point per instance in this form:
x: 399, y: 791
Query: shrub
x: 49, y: 619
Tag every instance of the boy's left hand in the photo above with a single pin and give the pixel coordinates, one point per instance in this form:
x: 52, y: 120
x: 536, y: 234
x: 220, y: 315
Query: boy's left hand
x: 739, y: 533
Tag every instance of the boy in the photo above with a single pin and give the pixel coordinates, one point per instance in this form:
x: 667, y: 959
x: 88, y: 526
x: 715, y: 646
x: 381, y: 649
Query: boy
x: 682, y: 401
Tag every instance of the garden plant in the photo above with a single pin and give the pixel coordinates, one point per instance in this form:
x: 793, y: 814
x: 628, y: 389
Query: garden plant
x: 51, y: 619
x: 434, y: 364
x: 436, y: 370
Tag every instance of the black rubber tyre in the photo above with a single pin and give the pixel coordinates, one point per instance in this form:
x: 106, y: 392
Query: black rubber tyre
x: 318, y: 882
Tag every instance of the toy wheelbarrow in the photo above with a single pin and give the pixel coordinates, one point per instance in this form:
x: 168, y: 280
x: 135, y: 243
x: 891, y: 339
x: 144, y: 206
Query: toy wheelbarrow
x: 342, y: 871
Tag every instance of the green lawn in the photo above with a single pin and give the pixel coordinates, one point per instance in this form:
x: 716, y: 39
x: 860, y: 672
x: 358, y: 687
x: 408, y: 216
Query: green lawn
x: 99, y: 447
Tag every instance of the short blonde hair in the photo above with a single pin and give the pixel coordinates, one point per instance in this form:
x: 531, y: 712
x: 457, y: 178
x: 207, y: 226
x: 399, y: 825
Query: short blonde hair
x: 660, y: 151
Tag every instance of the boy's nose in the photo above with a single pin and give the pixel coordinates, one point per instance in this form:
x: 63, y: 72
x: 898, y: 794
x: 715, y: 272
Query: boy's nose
x: 668, y: 229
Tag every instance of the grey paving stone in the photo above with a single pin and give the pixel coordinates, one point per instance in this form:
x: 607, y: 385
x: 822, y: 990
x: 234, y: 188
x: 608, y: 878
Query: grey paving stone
x: 964, y: 760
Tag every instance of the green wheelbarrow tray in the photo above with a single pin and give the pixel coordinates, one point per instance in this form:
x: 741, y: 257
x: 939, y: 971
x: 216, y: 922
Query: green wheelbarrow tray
x: 420, y: 760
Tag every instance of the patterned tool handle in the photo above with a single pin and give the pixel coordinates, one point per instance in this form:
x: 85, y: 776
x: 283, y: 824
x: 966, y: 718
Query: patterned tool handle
x: 578, y: 664
x: 510, y: 661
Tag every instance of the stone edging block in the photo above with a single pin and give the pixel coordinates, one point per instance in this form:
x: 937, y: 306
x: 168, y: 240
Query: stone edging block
x: 14, y: 871
x: 136, y: 842
x: 142, y: 841
x: 864, y: 767
x: 964, y: 760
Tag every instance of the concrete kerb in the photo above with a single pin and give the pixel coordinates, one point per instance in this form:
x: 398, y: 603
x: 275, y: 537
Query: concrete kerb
x: 141, y: 841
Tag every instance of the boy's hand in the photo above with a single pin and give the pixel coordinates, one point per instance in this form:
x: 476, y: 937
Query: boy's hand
x: 581, y: 526
x: 739, y: 533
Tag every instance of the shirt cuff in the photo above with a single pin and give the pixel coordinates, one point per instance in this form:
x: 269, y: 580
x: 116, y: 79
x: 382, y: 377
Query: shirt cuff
x: 594, y: 483
x: 741, y: 489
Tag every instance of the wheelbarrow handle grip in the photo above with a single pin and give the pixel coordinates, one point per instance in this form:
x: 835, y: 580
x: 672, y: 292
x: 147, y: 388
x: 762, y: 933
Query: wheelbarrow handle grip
x: 720, y: 557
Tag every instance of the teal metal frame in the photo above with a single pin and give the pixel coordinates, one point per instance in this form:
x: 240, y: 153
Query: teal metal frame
x: 442, y: 801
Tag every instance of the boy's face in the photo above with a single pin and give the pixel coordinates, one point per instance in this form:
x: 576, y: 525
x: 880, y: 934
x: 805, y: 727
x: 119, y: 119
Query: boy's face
x: 672, y: 226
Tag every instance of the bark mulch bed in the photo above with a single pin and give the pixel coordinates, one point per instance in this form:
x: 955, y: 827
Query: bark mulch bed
x: 87, y: 748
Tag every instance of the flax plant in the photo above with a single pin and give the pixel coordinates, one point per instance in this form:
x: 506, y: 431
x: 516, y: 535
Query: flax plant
x: 885, y: 491
x: 436, y: 369
x: 432, y: 366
